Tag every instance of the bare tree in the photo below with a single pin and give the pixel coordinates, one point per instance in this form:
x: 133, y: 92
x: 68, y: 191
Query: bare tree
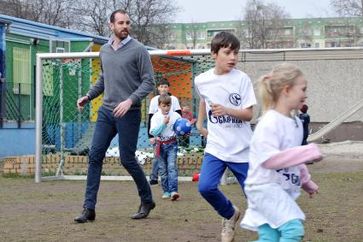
x: 304, y: 35
x: 94, y: 16
x: 150, y: 19
x: 45, y: 11
x: 12, y: 8
x: 192, y: 34
x: 264, y: 24
x: 348, y: 8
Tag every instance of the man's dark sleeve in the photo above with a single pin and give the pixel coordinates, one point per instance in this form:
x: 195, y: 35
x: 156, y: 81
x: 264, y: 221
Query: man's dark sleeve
x: 148, y: 125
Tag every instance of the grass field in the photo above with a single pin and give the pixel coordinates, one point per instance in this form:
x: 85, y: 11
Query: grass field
x: 45, y: 211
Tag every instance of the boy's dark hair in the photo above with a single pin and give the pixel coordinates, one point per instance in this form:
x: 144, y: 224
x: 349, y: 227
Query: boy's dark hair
x: 164, y: 99
x: 163, y: 81
x: 224, y: 40
x: 112, y: 17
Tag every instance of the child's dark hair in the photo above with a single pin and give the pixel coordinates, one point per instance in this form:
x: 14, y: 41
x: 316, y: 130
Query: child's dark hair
x: 224, y: 40
x: 304, y: 108
x: 164, y: 99
x: 163, y: 81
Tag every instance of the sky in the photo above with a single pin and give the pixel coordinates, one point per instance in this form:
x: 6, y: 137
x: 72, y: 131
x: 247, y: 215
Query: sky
x: 224, y: 10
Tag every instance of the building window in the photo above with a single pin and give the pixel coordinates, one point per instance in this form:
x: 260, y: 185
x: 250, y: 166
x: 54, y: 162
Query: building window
x: 172, y: 36
x: 288, y: 31
x: 21, y: 71
x: 317, y: 45
x: 305, y: 45
x: 316, y: 32
x: 212, y: 32
x: 201, y: 35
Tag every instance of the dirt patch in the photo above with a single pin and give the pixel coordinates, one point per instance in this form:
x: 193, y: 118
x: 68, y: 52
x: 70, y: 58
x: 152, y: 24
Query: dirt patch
x: 45, y: 211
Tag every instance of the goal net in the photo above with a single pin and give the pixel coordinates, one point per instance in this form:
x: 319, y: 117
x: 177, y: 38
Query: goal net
x: 63, y: 135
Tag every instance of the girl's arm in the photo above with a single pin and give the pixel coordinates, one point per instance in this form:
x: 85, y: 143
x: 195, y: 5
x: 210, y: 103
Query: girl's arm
x: 293, y: 156
x: 306, y: 183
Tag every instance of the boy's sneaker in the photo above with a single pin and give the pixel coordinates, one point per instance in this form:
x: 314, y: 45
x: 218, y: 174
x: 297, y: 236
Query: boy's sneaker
x: 228, y: 226
x: 174, y: 196
x: 166, y: 195
x: 153, y: 182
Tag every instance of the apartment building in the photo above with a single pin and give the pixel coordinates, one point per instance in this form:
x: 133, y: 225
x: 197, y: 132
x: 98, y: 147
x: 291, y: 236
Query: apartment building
x: 294, y: 33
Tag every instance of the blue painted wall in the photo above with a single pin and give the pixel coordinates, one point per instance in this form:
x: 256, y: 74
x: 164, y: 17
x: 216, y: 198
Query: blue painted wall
x: 18, y: 141
x: 22, y: 141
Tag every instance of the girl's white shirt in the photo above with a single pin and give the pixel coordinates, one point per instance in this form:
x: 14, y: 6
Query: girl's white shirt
x: 271, y: 193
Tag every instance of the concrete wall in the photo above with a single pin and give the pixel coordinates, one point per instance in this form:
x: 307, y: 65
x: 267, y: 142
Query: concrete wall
x: 333, y: 85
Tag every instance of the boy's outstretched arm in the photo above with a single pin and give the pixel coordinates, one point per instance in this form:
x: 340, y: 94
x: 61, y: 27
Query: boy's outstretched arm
x: 245, y: 114
x: 200, y: 119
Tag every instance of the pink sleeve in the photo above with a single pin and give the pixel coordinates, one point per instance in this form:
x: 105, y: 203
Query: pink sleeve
x: 304, y: 174
x: 306, y: 183
x: 293, y: 156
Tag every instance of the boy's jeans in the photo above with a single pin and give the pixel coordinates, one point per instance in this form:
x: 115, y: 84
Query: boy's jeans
x: 168, y: 167
x: 107, y: 126
x: 154, y: 169
x: 209, y: 179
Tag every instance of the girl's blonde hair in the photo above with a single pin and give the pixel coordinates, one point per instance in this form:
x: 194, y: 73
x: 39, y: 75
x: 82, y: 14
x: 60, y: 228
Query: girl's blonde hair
x: 271, y: 85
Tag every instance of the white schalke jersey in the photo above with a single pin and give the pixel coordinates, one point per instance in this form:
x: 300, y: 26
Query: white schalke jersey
x: 228, y: 137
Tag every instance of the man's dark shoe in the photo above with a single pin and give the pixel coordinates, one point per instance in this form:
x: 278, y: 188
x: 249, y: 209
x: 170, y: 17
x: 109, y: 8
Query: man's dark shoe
x: 144, y: 210
x: 153, y: 182
x: 87, y: 215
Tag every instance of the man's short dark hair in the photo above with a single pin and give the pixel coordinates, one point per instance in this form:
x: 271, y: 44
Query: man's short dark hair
x: 224, y: 40
x: 112, y: 17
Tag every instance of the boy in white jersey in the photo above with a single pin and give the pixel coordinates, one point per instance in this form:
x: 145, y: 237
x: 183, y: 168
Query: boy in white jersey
x: 166, y: 147
x: 163, y: 87
x: 226, y: 98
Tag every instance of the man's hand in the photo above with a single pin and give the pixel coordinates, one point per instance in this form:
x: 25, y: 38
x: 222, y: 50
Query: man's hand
x: 122, y: 108
x: 81, y: 102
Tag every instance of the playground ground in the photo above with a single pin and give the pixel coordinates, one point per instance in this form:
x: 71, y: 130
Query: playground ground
x: 45, y: 211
